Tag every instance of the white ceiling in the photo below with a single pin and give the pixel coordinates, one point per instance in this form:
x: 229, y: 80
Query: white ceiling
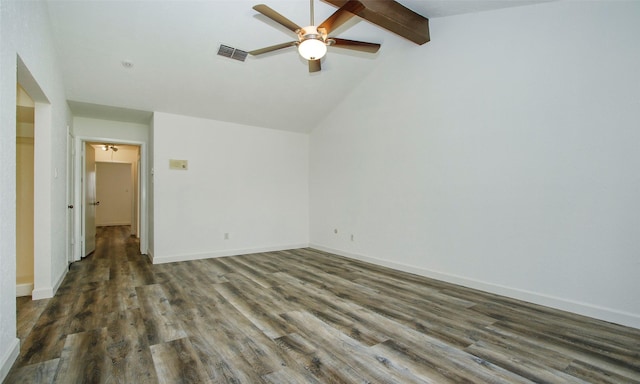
x: 173, y: 48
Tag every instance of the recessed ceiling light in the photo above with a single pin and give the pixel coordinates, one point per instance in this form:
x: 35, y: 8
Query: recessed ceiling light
x: 127, y: 64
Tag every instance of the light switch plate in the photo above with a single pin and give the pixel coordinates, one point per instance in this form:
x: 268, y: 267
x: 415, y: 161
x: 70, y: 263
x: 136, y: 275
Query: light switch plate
x: 178, y: 164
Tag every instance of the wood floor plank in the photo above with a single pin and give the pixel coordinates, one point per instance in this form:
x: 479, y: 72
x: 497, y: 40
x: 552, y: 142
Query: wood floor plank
x: 160, y: 320
x: 45, y: 342
x: 266, y: 261
x: 524, y: 367
x: 141, y: 270
x: 186, y: 289
x: 595, y: 374
x: 176, y: 362
x: 522, y: 348
x: 61, y: 305
x: 209, y: 270
x: 252, y: 349
x: 557, y: 344
x: 122, y: 296
x: 84, y: 359
x: 128, y: 348
x: 248, y: 271
x: 304, y: 260
x: 35, y: 373
x: 194, y: 273
x: 208, y: 329
x: 431, y: 351
x: 30, y: 311
x: 370, y: 366
x: 87, y: 313
x: 178, y: 293
x: 323, y: 365
x: 287, y: 375
x: 333, y: 310
x: 259, y: 313
x: 259, y: 293
x: 427, y: 310
x: 415, y: 313
x: 570, y: 334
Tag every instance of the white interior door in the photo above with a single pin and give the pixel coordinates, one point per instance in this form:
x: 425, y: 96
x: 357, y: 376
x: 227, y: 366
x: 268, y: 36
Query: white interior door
x: 89, y: 202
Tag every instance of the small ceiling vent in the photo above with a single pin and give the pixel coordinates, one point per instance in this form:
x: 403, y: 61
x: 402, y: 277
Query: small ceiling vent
x: 232, y: 53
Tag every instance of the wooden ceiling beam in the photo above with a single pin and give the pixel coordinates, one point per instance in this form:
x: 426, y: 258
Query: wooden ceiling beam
x: 393, y: 17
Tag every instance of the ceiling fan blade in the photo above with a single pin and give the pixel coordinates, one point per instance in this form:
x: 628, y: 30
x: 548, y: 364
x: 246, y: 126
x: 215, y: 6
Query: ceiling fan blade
x: 314, y: 66
x: 278, y: 18
x: 272, y: 48
x: 354, y: 45
x: 341, y: 16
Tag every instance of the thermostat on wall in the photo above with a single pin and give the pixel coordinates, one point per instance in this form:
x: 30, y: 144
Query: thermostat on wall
x: 178, y: 164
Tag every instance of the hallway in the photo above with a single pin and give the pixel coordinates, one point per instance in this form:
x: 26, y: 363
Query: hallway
x: 89, y: 321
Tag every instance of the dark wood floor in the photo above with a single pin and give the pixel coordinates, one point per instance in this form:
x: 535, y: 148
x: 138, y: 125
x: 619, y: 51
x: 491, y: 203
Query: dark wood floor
x: 299, y: 316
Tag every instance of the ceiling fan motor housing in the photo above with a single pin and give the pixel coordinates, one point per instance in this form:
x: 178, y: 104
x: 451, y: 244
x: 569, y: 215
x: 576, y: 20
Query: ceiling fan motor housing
x: 312, y: 44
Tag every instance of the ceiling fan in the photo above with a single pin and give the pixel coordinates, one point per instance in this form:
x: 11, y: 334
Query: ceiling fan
x: 313, y: 40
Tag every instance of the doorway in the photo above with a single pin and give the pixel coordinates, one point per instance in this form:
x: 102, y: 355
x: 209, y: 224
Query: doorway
x: 25, y: 176
x: 117, y: 185
x: 120, y: 189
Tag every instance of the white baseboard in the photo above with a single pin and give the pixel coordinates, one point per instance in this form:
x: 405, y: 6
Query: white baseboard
x: 581, y: 308
x: 24, y: 289
x: 8, y: 358
x: 49, y: 292
x: 42, y: 293
x: 223, y: 253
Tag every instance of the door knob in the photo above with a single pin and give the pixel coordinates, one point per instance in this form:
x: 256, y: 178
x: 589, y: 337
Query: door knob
x: 70, y: 206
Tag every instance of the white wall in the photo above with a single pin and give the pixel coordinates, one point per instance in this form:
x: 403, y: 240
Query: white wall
x: 108, y: 129
x: 503, y: 155
x: 246, y: 181
x: 25, y: 32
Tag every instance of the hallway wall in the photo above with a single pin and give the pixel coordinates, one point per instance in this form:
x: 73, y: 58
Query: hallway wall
x: 27, y: 56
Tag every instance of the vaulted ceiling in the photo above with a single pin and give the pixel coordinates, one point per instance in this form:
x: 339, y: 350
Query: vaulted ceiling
x: 119, y: 56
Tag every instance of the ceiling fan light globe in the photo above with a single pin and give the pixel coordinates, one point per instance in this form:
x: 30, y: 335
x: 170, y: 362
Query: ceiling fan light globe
x: 312, y: 49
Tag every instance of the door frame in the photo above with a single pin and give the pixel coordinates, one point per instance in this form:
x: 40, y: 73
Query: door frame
x: 71, y: 152
x: 89, y: 201
x: 78, y: 186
